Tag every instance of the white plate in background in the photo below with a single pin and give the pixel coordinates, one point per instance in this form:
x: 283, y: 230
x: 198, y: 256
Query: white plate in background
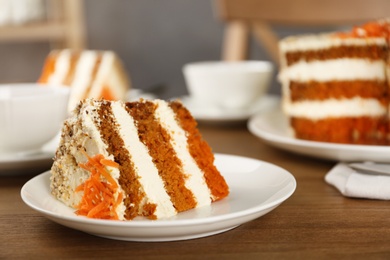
x: 272, y: 127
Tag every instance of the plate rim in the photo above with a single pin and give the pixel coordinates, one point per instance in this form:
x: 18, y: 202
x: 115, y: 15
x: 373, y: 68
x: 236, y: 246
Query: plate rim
x: 170, y: 223
x: 20, y: 158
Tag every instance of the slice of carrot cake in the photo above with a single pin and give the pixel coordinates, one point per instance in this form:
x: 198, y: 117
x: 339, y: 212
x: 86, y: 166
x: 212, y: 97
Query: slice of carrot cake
x: 90, y: 74
x: 122, y: 160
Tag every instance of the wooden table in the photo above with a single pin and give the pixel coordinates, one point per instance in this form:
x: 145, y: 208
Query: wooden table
x: 316, y: 221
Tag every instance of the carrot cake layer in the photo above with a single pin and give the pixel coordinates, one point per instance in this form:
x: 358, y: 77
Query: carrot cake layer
x: 370, y: 52
x: 315, y: 90
x: 357, y: 130
x: 201, y: 152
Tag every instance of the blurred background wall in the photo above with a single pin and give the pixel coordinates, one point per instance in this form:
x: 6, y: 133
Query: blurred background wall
x: 153, y: 38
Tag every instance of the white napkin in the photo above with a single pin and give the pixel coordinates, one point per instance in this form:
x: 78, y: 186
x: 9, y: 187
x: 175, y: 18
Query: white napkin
x: 358, y: 185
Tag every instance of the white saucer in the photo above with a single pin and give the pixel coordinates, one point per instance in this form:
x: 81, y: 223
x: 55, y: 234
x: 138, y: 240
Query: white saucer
x: 256, y: 188
x: 31, y: 162
x: 221, y: 115
x: 272, y: 127
x: 135, y: 94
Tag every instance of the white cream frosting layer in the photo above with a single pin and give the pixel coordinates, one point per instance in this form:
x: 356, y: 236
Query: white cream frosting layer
x: 152, y: 183
x: 324, y: 41
x: 61, y: 68
x: 337, y: 69
x: 194, y: 181
x: 316, y: 110
x: 102, y: 74
x: 82, y: 77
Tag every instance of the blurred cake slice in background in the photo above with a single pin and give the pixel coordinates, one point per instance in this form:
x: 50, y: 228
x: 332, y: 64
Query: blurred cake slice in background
x: 335, y: 86
x: 90, y: 74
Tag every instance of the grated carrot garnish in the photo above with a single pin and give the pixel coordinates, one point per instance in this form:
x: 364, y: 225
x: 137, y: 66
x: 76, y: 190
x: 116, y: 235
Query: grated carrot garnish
x: 98, y: 200
x: 110, y: 163
x: 370, y: 29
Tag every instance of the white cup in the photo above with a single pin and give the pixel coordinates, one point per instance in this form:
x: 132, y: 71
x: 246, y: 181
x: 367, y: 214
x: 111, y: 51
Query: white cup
x: 30, y: 115
x: 228, y: 84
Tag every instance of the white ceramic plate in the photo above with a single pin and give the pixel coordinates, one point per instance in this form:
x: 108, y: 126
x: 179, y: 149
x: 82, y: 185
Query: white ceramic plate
x: 31, y: 162
x: 222, y: 115
x: 272, y: 127
x: 256, y: 188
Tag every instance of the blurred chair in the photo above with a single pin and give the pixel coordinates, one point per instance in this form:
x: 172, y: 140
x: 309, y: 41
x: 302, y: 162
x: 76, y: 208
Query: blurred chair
x: 246, y: 17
